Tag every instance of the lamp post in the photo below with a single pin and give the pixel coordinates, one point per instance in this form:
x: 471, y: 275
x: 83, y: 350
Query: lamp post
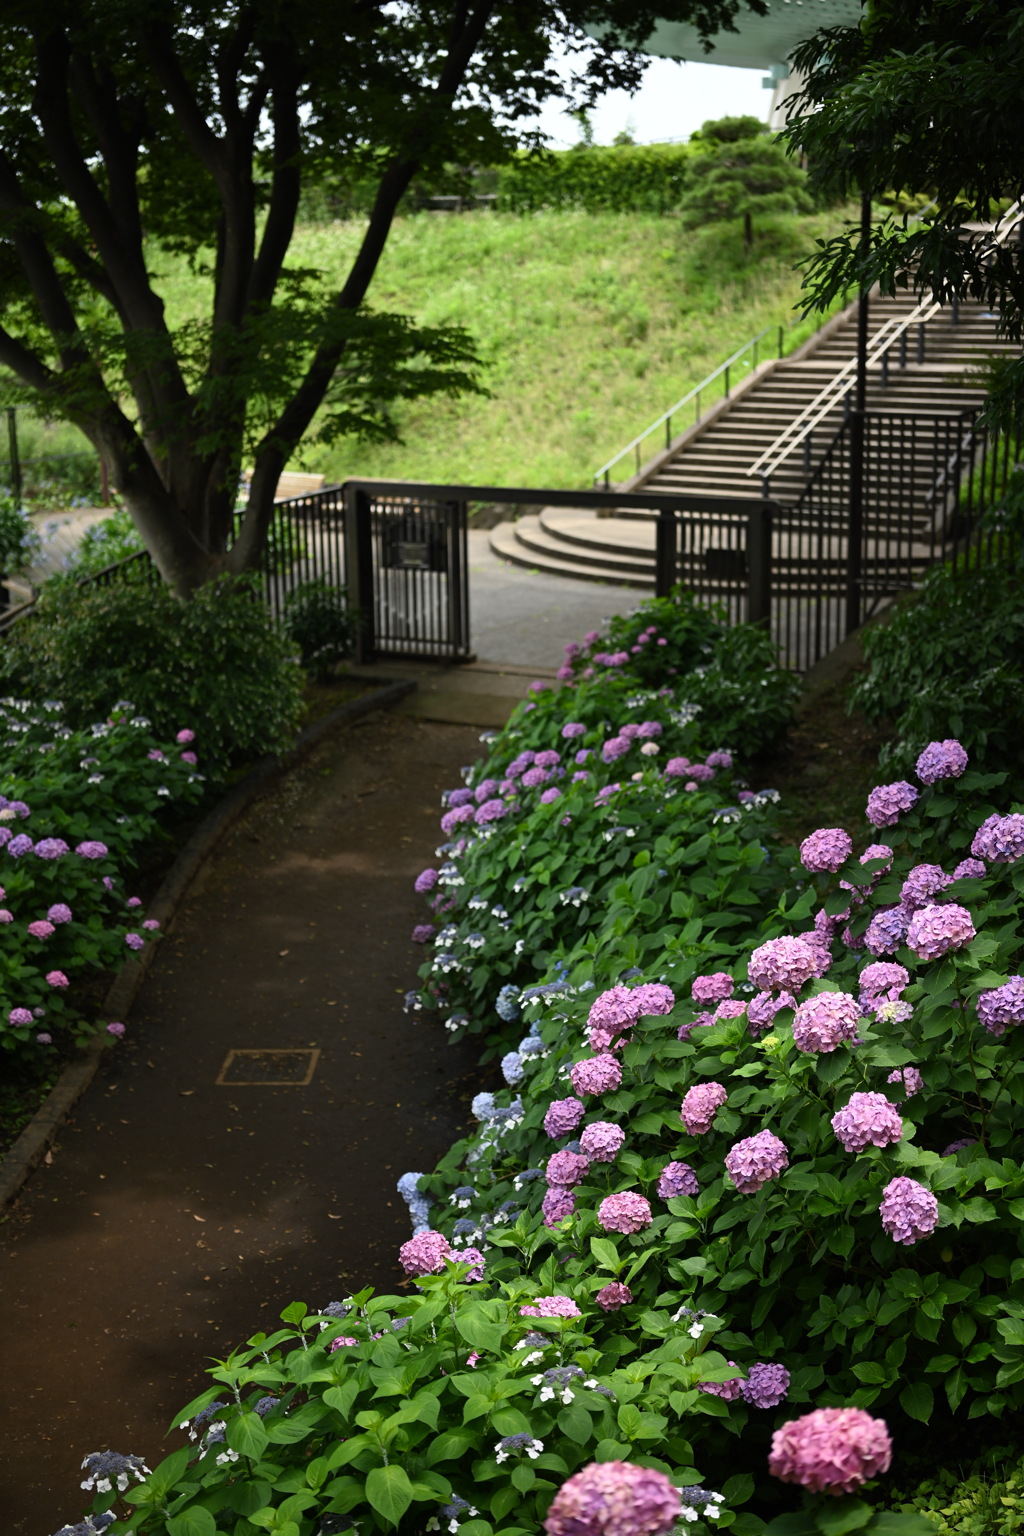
x: 855, y: 520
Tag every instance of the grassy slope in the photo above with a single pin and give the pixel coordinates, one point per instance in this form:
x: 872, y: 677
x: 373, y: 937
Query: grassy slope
x: 590, y: 326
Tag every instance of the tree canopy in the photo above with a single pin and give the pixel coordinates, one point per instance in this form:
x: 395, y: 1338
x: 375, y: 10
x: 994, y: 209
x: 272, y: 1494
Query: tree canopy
x: 923, y: 97
x: 739, y: 177
x: 134, y: 129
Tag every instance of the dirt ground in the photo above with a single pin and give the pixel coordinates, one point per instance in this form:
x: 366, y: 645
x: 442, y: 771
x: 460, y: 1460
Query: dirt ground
x: 181, y: 1214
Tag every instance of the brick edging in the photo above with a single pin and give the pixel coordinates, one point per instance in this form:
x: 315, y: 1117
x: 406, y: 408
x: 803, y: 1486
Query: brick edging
x: 31, y: 1147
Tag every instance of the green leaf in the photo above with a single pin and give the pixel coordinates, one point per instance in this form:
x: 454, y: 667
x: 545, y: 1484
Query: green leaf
x: 246, y: 1435
x: 918, y: 1400
x: 295, y: 1312
x: 575, y: 1421
x: 479, y: 1331
x: 889, y: 1522
x: 194, y: 1522
x: 389, y: 1492
x: 606, y: 1254
x: 523, y: 1477
x: 797, y: 1524
x: 247, y: 1498
x: 842, y: 1515
x: 342, y: 1398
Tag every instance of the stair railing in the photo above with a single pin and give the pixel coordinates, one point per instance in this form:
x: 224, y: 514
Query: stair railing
x: 840, y: 386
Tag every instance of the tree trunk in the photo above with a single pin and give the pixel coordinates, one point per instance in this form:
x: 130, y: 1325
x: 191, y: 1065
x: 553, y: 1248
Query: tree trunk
x: 748, y: 229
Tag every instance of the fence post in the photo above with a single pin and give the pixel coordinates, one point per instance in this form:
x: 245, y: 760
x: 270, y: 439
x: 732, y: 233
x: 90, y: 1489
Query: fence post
x: 759, y: 565
x: 15, y: 457
x: 359, y: 569
x: 665, y: 562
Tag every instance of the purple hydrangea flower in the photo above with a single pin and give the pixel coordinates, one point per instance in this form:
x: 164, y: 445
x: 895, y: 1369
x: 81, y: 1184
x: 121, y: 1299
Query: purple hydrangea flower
x: 908, y: 1210
x: 923, y: 882
x: 134, y: 941
x: 700, y: 1106
x: 934, y: 931
x: 832, y: 1450
x: 719, y: 759
x: 613, y: 1296
x: 626, y: 1212
x: 566, y: 1169
x: 491, y: 810
x: 558, y: 1203
x: 455, y: 817
x: 51, y: 848
x: 826, y: 850
x: 550, y: 1306
x: 115, y: 1029
x: 601, y: 1141
x: 824, y: 1022
x: 614, y: 1498
x: 59, y: 913
x: 782, y: 965
x: 91, y: 850
x: 941, y: 760
x: 909, y: 1078
x: 1000, y: 839
x: 701, y: 773
x: 887, y: 802
x: 563, y: 1116
x: 573, y: 728
x: 766, y: 1386
x: 19, y: 846
x: 677, y: 768
x: 882, y: 979
x: 752, y: 1162
x: 677, y: 1179
x: 887, y: 931
x: 550, y: 796
x: 425, y: 881
x: 549, y: 758
x: 20, y: 1016
x: 730, y: 1008
x: 601, y: 1074
x: 763, y: 1007
x: 969, y: 869
x: 423, y: 933
x: 484, y: 790
x: 728, y: 1391
x: 1002, y: 1006
x: 867, y: 1120
x: 712, y: 989
x: 615, y: 747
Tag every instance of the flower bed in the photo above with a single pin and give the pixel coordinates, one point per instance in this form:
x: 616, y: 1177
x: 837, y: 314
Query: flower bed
x: 697, y: 1233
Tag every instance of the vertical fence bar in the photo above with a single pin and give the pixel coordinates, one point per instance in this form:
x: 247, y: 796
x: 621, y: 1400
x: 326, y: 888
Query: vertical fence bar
x: 12, y: 448
x: 359, y: 564
x: 759, y: 565
x: 665, y: 560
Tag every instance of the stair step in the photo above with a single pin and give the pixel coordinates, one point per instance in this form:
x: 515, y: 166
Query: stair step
x: 505, y: 543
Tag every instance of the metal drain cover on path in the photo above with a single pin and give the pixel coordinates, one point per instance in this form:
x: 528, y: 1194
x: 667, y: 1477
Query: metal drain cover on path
x: 269, y: 1069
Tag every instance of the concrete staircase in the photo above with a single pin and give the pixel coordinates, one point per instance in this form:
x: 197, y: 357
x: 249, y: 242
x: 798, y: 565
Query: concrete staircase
x: 712, y: 458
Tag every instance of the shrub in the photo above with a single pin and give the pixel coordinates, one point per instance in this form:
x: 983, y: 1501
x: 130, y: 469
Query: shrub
x: 648, y: 178
x: 104, y: 543
x: 988, y: 1501
x: 18, y: 539
x: 951, y: 662
x: 216, y: 663
x: 318, y: 620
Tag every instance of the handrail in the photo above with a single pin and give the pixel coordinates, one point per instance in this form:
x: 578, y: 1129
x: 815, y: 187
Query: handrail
x: 839, y: 386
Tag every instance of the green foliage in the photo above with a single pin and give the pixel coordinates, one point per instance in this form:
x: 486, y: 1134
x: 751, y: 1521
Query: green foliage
x: 318, y: 619
x: 728, y: 130
x: 951, y: 663
x: 105, y: 543
x: 216, y: 665
x: 627, y: 178
x: 18, y: 539
x: 988, y: 1501
x: 738, y: 179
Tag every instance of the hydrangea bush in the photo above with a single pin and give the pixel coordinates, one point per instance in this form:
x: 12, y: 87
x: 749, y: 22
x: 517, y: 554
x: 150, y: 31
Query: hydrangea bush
x: 78, y: 810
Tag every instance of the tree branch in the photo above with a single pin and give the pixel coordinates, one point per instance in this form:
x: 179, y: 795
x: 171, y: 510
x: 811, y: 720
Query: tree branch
x: 284, y: 196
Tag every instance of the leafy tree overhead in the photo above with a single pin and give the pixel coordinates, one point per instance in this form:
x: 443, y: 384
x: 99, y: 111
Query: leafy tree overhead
x: 738, y: 178
x: 134, y: 130
x: 923, y: 97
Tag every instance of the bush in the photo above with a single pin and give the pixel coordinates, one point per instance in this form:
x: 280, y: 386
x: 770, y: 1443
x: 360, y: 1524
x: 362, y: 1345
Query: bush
x: 217, y: 663
x: 318, y: 620
x: 649, y: 178
x: 18, y: 539
x: 951, y: 662
x: 105, y: 543
x: 988, y: 1501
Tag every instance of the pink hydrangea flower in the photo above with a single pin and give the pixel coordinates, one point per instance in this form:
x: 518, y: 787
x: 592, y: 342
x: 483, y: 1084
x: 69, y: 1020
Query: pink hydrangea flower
x: 20, y: 1016
x: 626, y: 1212
x: 782, y: 965
x: 752, y: 1162
x: 41, y: 929
x: 117, y: 1030
x: 91, y: 850
x: 475, y: 1259
x: 700, y: 1106
x: 190, y: 758
x: 566, y: 1169
x: 613, y: 1296
x: 934, y: 931
x: 887, y: 802
x: 826, y: 850
x: 941, y: 760
x: 677, y: 768
x: 730, y: 1008
x: 339, y: 1342
x: 184, y: 737
x: 867, y: 1120
x: 882, y: 979
x: 558, y: 1203
x: 712, y: 989
x: 1002, y: 1006
x: 425, y: 1254
x: 763, y: 1007
x: 56, y: 979
x: 455, y: 817
x: 909, y: 1078
x: 719, y: 759
x: 728, y: 1391
x: 832, y: 1450
x: 614, y: 1498
x: 618, y: 1009
x: 677, y: 1179
x: 908, y: 1210
x: 134, y: 941
x: 923, y: 882
x: 602, y: 1141
x: 563, y: 1116
x: 824, y: 1022
x: 601, y: 1074
x: 550, y: 1306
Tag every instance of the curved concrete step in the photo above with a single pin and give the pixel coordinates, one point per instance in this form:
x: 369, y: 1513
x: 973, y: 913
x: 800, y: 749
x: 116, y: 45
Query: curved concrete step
x: 505, y: 542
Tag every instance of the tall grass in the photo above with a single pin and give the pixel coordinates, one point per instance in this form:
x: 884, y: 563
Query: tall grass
x: 589, y: 325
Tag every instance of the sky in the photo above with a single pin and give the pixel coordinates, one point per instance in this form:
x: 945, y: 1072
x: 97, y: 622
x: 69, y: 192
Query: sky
x: 672, y: 101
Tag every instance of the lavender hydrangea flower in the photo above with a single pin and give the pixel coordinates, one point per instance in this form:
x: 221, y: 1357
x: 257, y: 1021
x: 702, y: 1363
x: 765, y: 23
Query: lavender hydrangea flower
x: 615, y: 747
x: 882, y: 980
x: 490, y: 810
x: 91, y: 850
x: 566, y: 1169
x: 887, y: 931
x: 558, y: 1203
x: 766, y: 1386
x: 51, y: 848
x: 19, y: 846
x: 20, y: 1016
x: 549, y: 796
x: 887, y: 802
x: 425, y: 1254
x: 908, y: 1210
x: 423, y: 933
x: 782, y: 965
x: 563, y: 1116
x: 823, y: 1023
x: 602, y: 1141
x: 700, y: 1106
x: 867, y: 1120
x: 763, y: 1007
x: 909, y: 1078
x: 755, y: 1160
x: 677, y: 1179
x: 59, y: 913
x: 601, y: 1074
x: 626, y: 1212
x: 923, y: 882
x: 712, y: 989
x: 1000, y: 839
x: 454, y: 818
x: 728, y: 1391
x: 613, y: 1296
x: 107, y: 1470
x: 573, y: 728
x: 969, y: 869
x: 614, y: 1498
x: 1002, y: 1006
x: 941, y: 760
x: 826, y: 850
x: 550, y: 1306
x: 832, y: 1450
x: 934, y: 931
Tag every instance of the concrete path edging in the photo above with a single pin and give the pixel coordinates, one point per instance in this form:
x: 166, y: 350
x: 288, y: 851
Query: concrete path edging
x: 31, y: 1147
